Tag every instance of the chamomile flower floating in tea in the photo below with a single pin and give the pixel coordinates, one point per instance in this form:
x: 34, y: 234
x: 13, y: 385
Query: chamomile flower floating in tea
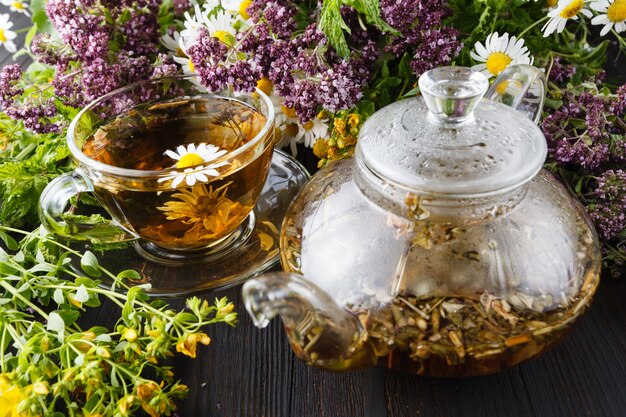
x: 210, y: 211
x: 498, y: 53
x: 191, y: 156
x: 612, y: 15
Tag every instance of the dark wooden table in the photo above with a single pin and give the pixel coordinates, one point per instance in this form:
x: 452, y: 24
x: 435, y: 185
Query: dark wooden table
x: 252, y: 373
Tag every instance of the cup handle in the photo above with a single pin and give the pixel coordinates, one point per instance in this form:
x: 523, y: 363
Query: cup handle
x: 55, y: 198
x: 522, y: 87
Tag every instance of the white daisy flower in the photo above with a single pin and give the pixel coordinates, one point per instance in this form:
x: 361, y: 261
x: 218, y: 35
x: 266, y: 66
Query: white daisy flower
x: 183, y: 60
x: 17, y: 6
x: 7, y: 35
x: 291, y: 131
x: 313, y: 130
x: 173, y: 43
x: 612, y: 15
x: 237, y: 6
x: 192, y: 24
x: 565, y: 10
x: 191, y: 156
x: 498, y: 53
x: 221, y: 26
x: 210, y: 5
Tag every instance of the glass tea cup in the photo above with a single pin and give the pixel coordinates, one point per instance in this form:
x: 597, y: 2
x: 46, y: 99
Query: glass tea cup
x: 176, y: 167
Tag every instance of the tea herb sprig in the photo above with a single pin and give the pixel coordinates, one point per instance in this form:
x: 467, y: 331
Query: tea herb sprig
x: 50, y: 365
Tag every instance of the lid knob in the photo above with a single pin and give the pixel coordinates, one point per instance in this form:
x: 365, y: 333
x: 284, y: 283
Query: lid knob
x: 452, y: 93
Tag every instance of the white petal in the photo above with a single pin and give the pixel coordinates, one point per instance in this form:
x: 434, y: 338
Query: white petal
x: 600, y: 20
x: 10, y: 46
x: 606, y: 29
x: 190, y: 179
x: 177, y: 180
x: 480, y: 49
x: 172, y: 154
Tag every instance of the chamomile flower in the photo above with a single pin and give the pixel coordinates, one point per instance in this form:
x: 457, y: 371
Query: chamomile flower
x: 221, y: 26
x: 191, y: 156
x: 192, y: 26
x: 498, y: 53
x: 291, y: 131
x: 17, y: 6
x: 7, y: 35
x: 237, y: 6
x: 314, y: 129
x: 173, y: 43
x: 565, y: 10
x: 612, y: 15
x: 183, y: 60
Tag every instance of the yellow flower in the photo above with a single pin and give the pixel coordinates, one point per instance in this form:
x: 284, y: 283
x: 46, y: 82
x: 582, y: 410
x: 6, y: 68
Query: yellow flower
x: 339, y: 126
x: 187, y: 345
x: 130, y: 335
x: 146, y: 389
x: 40, y: 388
x: 10, y: 397
x: 211, y: 213
x: 354, y: 120
x: 320, y: 149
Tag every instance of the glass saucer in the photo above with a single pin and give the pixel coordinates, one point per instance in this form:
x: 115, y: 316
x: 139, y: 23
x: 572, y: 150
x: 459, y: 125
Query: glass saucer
x: 255, y: 251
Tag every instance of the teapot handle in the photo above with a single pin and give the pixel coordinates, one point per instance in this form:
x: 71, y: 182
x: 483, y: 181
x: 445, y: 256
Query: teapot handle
x: 522, y: 87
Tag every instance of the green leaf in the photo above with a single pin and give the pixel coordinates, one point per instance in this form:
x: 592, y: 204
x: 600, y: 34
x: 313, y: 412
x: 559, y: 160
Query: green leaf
x: 69, y: 316
x: 40, y: 19
x: 129, y: 274
x: 29, y: 36
x: 333, y: 25
x: 10, y: 243
x: 371, y: 10
x: 89, y: 264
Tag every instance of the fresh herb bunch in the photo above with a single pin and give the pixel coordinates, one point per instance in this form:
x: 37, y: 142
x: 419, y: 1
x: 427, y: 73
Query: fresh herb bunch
x: 50, y: 365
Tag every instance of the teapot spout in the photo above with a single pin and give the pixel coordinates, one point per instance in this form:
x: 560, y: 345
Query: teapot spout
x: 320, y: 332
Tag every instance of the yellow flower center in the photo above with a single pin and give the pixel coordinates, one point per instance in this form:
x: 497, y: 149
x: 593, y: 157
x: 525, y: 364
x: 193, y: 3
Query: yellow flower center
x: 189, y: 160
x: 3, y: 37
x: 308, y: 125
x: 572, y: 9
x: 265, y: 85
x: 223, y: 36
x: 552, y: 3
x: 617, y: 11
x: 289, y: 112
x: 192, y: 67
x: 243, y: 7
x: 497, y: 61
x: 18, y: 5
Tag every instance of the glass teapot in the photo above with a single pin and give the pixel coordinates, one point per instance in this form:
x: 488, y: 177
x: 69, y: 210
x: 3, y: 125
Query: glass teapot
x: 442, y: 248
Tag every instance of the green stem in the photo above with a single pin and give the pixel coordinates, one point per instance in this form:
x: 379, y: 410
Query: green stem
x: 620, y: 39
x: 532, y: 26
x: 2, y: 342
x: 25, y: 300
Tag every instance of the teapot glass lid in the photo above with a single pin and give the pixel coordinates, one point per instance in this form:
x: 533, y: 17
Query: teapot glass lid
x: 451, y: 140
